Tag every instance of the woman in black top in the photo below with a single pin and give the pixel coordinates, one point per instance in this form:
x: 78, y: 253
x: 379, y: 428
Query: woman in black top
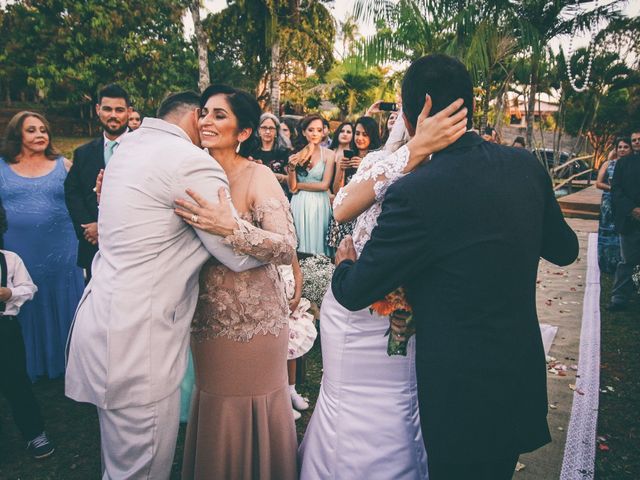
x: 272, y: 152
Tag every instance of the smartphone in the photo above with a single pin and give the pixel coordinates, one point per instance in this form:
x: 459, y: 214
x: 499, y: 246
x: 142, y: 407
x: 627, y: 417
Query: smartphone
x: 388, y: 106
x: 348, y: 153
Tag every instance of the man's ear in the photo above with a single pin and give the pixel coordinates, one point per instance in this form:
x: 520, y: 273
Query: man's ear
x: 97, y: 109
x: 410, y: 129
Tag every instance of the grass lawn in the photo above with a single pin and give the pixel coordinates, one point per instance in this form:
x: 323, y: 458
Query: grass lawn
x: 74, y: 428
x: 619, y: 412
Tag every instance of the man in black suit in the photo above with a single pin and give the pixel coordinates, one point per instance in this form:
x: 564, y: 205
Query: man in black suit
x: 625, y: 201
x: 113, y: 112
x: 464, y: 234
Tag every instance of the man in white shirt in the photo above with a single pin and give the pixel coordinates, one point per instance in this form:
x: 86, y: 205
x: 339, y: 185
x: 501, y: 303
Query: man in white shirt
x: 16, y: 288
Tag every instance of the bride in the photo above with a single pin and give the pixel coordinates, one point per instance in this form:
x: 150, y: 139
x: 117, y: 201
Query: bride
x: 366, y: 422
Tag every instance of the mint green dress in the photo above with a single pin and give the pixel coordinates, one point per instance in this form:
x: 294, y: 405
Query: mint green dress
x: 311, y: 213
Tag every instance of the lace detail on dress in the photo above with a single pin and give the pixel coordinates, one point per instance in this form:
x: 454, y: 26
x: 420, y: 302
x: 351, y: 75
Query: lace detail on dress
x: 239, y: 305
x: 385, y: 169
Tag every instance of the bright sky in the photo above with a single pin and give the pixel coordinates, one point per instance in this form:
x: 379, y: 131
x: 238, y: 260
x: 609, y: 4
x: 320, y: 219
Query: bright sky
x: 342, y: 8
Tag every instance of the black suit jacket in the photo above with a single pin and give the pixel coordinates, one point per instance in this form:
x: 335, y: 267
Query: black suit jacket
x: 81, y: 200
x: 464, y: 234
x: 625, y: 193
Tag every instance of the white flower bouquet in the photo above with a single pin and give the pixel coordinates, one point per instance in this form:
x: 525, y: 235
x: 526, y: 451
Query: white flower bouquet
x: 317, y: 272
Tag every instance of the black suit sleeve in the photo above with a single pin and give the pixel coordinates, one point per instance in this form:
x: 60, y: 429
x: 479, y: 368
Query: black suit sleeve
x: 75, y: 197
x: 621, y: 200
x: 398, y: 248
x: 559, y: 242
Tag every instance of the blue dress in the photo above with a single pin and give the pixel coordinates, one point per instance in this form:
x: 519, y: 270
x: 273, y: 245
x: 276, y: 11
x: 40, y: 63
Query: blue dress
x: 608, y: 239
x: 41, y: 233
x: 311, y: 213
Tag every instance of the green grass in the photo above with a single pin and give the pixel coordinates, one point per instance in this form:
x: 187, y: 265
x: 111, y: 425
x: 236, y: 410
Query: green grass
x: 74, y: 429
x: 619, y: 412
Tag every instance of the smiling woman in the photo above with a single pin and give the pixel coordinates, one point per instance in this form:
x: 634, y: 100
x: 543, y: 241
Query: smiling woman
x: 40, y: 231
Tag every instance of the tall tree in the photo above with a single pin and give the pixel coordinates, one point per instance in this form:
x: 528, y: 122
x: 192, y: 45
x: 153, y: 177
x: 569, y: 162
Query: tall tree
x: 204, y: 78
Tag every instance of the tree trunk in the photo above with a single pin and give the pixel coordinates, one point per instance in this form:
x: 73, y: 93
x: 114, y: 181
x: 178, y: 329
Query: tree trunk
x: 203, y: 56
x: 533, y: 90
x: 275, y: 76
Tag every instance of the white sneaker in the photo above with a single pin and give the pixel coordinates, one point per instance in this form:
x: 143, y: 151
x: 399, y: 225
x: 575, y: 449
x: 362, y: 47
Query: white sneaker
x: 296, y: 414
x: 298, y: 402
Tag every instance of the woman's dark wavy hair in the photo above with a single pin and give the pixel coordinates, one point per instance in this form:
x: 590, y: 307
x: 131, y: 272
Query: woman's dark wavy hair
x: 373, y: 131
x: 12, y: 144
x: 335, y: 143
x: 293, y: 128
x: 246, y: 109
x: 624, y: 139
x: 301, y: 141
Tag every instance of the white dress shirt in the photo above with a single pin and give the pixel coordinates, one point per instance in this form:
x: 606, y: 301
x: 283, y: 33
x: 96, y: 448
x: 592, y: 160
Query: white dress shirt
x: 19, y: 282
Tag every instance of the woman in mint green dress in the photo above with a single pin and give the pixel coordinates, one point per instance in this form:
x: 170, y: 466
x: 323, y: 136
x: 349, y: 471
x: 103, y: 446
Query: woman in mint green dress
x: 309, y: 177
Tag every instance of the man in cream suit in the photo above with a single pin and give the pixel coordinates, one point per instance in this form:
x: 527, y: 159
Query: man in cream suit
x: 127, y: 351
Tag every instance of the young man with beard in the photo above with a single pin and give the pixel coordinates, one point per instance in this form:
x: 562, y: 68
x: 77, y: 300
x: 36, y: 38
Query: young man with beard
x: 113, y: 110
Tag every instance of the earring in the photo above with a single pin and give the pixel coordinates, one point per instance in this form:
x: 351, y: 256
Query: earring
x: 238, y: 147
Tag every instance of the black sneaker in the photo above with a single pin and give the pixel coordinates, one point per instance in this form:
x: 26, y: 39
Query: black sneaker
x: 40, y: 447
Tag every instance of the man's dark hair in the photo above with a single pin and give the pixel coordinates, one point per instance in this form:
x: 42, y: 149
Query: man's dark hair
x: 175, y: 102
x: 113, y: 91
x: 444, y: 78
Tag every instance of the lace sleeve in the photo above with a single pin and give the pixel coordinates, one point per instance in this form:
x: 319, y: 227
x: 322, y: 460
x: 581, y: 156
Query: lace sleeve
x: 275, y: 240
x: 381, y: 166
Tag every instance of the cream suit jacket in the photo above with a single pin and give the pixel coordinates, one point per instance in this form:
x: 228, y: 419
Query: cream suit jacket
x: 128, y: 343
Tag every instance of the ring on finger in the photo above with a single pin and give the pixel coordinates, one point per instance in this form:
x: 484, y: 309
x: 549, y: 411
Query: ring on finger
x: 194, y: 218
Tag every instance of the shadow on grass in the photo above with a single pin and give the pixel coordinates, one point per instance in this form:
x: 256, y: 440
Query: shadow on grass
x: 619, y: 417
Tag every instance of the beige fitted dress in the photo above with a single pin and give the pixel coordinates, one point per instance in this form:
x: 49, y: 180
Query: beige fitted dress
x: 241, y: 424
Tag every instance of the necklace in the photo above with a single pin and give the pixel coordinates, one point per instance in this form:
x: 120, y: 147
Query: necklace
x: 590, y: 51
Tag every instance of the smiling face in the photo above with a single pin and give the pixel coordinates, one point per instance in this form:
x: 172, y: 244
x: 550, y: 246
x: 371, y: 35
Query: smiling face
x: 218, y: 126
x: 313, y: 132
x: 267, y: 131
x: 623, y: 149
x: 345, y: 135
x: 362, y: 139
x: 113, y: 114
x: 35, y: 137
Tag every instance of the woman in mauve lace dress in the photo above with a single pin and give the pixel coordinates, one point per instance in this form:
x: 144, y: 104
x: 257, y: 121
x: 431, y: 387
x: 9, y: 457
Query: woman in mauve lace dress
x: 241, y: 424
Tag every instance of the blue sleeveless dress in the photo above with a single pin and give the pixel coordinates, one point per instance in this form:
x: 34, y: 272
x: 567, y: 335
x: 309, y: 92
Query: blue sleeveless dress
x: 41, y: 233
x: 311, y: 213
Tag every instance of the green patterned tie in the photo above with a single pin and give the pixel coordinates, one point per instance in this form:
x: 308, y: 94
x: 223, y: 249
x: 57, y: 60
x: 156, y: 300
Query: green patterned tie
x: 108, y: 151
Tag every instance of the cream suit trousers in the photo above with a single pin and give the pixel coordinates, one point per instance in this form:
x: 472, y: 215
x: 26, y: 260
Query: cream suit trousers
x: 139, y: 442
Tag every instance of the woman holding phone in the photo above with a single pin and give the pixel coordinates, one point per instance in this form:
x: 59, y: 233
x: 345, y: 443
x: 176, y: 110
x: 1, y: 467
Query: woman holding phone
x: 366, y: 138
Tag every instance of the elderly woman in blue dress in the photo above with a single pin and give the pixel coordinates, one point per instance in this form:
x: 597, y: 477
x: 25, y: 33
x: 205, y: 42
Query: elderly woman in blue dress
x: 40, y: 231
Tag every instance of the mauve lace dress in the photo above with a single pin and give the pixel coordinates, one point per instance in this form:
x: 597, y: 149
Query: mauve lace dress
x: 241, y: 424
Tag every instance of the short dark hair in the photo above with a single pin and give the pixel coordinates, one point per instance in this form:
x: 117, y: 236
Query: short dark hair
x: 373, y: 132
x: 335, y: 142
x: 624, y: 139
x: 246, y: 109
x: 12, y: 142
x: 187, y: 100
x: 444, y: 78
x: 113, y: 91
x: 519, y: 140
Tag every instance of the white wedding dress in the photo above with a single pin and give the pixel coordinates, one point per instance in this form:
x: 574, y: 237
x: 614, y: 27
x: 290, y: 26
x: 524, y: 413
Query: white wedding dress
x: 366, y: 423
